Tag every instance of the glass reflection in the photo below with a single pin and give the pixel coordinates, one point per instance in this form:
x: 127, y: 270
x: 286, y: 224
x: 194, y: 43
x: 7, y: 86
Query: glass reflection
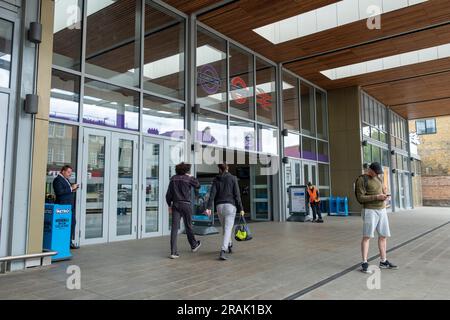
x: 307, y: 107
x: 67, y: 33
x: 125, y: 188
x: 323, y: 151
x: 266, y: 102
x: 322, y: 115
x: 64, y: 96
x: 163, y: 118
x: 110, y: 106
x: 241, y: 83
x: 6, y: 35
x: 164, y: 58
x: 211, y: 71
x: 112, y: 44
x: 291, y: 107
x: 309, y: 149
x: 212, y: 128
x: 242, y: 135
x: 152, y: 152
x: 292, y: 146
x: 267, y: 140
x: 95, y: 187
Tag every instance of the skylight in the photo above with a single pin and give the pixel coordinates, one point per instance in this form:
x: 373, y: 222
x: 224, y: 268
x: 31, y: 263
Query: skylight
x: 329, y: 17
x: 395, y: 61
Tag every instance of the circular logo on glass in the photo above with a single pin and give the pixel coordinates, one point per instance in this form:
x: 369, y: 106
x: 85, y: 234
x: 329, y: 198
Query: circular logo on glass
x: 209, y: 79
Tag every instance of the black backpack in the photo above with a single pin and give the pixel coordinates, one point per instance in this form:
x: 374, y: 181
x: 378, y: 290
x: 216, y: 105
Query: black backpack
x: 366, y: 182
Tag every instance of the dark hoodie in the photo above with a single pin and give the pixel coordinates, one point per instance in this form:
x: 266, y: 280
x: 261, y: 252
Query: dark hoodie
x: 225, y: 189
x: 180, y: 189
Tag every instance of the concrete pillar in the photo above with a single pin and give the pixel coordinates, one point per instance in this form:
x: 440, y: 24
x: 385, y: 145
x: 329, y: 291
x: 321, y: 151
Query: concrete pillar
x: 345, y: 142
x: 40, y: 134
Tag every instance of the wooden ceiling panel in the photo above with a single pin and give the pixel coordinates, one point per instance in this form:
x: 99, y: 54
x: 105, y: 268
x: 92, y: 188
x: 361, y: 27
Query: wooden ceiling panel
x: 413, y: 90
x: 238, y: 24
x: 310, y: 68
x: 435, y: 108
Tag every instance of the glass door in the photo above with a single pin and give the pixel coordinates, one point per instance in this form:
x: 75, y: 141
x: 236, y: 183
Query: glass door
x: 109, y: 187
x: 95, y: 185
x: 260, y: 194
x: 123, y: 189
x: 293, y: 178
x: 309, y: 173
x: 153, y: 196
x: 173, y: 155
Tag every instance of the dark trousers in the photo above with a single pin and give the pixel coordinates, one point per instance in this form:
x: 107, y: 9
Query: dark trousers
x: 72, y: 227
x: 315, y: 206
x: 181, y: 210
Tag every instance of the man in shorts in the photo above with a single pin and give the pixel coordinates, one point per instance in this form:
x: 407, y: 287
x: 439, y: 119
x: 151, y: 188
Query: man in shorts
x: 371, y: 194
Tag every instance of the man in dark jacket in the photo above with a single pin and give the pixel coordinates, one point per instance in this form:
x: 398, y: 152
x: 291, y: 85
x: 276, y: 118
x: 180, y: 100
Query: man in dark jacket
x: 64, y: 191
x: 226, y: 196
x: 178, y: 198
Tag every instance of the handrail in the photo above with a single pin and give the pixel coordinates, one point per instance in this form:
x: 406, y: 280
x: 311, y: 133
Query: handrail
x: 28, y: 256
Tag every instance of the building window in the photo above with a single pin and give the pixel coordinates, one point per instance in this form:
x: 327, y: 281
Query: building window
x: 291, y: 107
x: 211, y: 71
x: 110, y: 106
x: 241, y: 83
x: 427, y: 126
x: 62, y: 150
x: 164, y: 57
x: 162, y: 117
x: 113, y: 40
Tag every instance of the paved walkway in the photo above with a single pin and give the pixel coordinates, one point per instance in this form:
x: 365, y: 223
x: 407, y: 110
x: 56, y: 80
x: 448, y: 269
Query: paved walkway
x: 282, y: 260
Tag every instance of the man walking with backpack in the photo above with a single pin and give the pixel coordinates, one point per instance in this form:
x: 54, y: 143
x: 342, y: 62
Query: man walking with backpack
x: 371, y: 194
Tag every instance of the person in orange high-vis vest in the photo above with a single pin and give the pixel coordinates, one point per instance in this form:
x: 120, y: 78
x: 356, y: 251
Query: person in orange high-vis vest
x: 314, y: 201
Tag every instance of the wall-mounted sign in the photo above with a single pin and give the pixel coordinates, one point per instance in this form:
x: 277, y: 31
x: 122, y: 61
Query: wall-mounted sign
x: 209, y: 79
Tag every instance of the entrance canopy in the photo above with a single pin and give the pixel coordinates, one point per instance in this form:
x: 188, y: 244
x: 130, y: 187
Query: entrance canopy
x: 397, y: 51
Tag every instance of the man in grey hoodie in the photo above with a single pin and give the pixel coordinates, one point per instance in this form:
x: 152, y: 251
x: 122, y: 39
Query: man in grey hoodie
x: 226, y: 196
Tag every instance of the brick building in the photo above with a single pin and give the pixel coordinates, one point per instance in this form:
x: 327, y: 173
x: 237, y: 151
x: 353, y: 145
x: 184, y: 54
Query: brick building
x: 434, y: 149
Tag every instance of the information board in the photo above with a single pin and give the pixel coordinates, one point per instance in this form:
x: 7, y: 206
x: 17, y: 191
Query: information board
x: 297, y: 199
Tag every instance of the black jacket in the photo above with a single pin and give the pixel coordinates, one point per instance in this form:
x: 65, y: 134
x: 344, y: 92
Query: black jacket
x: 225, y: 189
x: 63, y: 190
x: 180, y: 189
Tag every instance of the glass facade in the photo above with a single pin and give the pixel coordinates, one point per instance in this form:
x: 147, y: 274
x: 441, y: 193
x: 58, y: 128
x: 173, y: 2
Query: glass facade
x: 239, y: 113
x: 386, y: 142
x: 305, y: 122
x: 119, y: 110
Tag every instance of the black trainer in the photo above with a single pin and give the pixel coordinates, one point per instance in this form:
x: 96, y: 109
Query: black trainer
x: 222, y: 255
x: 365, y: 267
x: 230, y: 248
x: 319, y: 221
x: 387, y: 265
x: 195, y: 249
